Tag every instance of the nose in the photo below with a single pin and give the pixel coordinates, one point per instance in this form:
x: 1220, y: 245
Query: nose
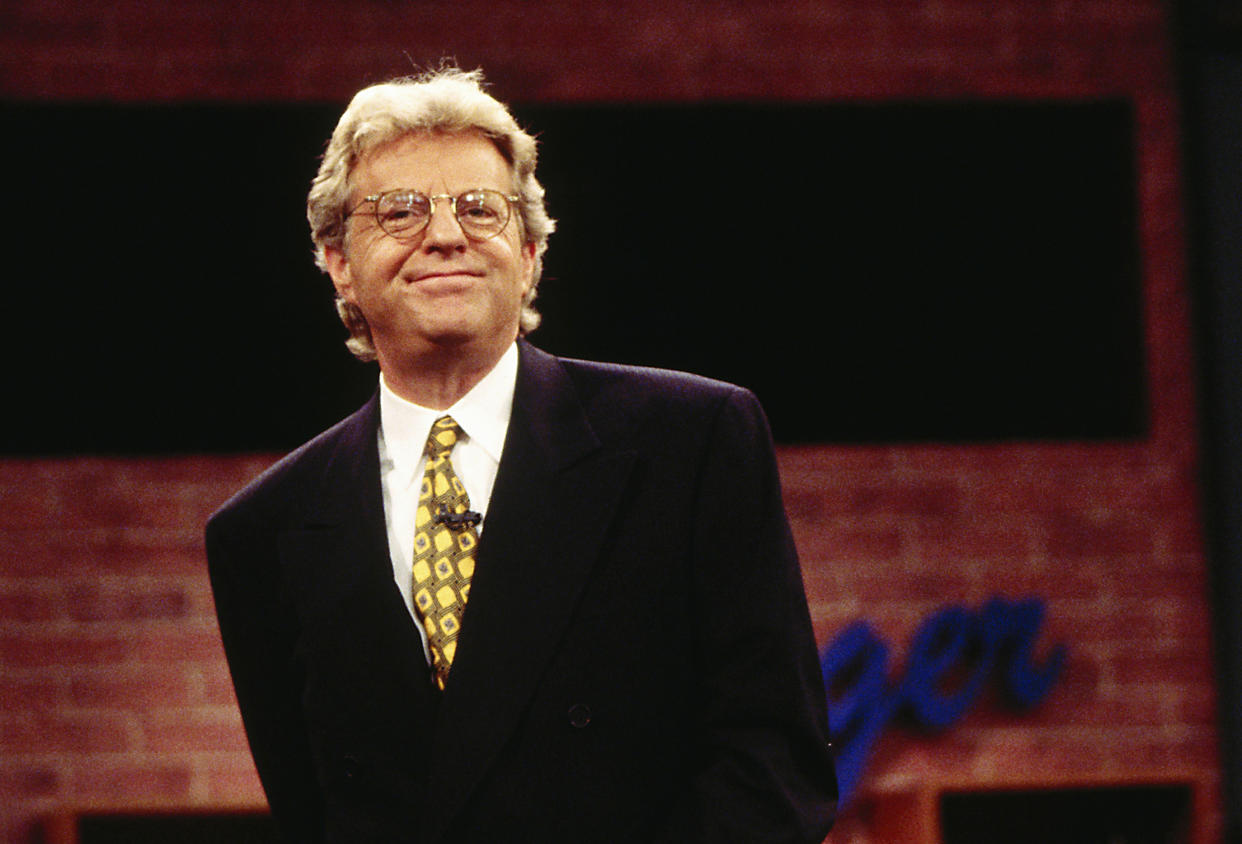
x: 443, y: 233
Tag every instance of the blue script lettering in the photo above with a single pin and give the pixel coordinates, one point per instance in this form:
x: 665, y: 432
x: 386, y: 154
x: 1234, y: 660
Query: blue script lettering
x: 952, y: 653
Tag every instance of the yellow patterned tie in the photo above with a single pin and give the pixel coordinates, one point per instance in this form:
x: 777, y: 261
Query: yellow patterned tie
x: 445, y: 541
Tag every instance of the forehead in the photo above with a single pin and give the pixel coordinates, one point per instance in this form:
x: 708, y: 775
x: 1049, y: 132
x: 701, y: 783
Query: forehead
x: 433, y: 162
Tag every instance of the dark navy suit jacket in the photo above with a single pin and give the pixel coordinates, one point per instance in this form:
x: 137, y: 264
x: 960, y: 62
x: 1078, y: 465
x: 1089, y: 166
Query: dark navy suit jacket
x: 636, y: 662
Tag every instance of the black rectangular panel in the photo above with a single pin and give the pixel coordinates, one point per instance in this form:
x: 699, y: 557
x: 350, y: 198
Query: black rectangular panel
x: 876, y: 273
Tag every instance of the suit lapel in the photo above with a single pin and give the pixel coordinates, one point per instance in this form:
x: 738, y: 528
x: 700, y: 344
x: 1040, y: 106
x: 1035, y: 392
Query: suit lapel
x: 338, y: 565
x: 554, y: 497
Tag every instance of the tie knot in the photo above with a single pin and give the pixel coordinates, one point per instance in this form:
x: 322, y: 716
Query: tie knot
x: 443, y: 436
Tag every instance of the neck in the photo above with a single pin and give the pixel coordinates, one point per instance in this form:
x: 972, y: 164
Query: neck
x: 440, y: 377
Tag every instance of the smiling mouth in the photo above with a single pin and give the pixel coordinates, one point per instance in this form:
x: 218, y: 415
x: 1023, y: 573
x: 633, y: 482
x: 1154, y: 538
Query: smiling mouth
x: 446, y: 274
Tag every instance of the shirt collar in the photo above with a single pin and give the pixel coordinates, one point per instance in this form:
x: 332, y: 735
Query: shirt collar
x: 483, y: 414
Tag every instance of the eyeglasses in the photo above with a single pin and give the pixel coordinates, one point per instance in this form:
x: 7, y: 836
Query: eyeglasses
x: 403, y: 214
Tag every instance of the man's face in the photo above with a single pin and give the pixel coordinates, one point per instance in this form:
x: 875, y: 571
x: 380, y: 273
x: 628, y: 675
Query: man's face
x: 440, y: 289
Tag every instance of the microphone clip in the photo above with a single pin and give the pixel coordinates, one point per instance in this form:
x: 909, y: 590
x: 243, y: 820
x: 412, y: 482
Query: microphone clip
x: 456, y: 521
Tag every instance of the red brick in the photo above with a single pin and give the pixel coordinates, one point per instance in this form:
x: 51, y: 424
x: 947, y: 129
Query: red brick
x: 104, y: 495
x: 178, y: 644
x: 925, y: 499
x: 193, y: 731
x: 24, y: 781
x: 25, y: 498
x: 119, y: 781
x: 852, y: 545
x: 132, y: 687
x: 47, y: 732
x: 140, y: 551
x: 212, y: 684
x: 1054, y: 580
x: 29, y: 602
x: 1077, y: 535
x: 55, y: 550
x: 1146, y: 666
x: 234, y: 782
x: 803, y: 505
x: 24, y: 692
x: 133, y: 601
x: 35, y: 650
x: 1006, y: 541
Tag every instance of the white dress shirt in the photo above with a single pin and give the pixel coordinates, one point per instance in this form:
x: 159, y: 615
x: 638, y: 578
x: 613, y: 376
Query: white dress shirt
x: 483, y: 414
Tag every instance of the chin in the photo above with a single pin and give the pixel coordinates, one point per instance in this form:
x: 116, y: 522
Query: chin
x: 459, y: 338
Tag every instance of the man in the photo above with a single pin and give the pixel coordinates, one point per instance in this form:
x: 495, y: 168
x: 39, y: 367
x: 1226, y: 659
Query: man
x: 514, y: 597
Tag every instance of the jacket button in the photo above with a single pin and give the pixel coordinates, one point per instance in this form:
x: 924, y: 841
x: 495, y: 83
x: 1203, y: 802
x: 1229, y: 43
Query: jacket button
x: 579, y: 715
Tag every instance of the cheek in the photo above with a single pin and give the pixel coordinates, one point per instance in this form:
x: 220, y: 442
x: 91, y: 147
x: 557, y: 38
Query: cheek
x: 380, y: 259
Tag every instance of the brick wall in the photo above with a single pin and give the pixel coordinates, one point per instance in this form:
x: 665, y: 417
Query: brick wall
x: 112, y: 687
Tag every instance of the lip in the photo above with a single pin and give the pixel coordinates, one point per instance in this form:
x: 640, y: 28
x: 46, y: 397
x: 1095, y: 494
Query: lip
x: 453, y: 275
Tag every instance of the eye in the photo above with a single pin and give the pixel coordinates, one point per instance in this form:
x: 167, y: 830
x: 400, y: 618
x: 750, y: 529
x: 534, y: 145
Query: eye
x: 480, y: 207
x: 402, y: 209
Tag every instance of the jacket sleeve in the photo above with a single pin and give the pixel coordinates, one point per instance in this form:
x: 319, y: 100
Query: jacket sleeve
x: 260, y: 641
x: 765, y: 771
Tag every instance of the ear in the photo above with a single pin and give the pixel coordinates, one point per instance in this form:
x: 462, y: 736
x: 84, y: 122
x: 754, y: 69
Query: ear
x: 528, y: 266
x: 340, y: 271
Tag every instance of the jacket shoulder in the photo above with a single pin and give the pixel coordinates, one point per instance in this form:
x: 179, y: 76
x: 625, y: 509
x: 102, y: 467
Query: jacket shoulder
x: 669, y: 386
x: 294, y: 479
x: 623, y: 399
